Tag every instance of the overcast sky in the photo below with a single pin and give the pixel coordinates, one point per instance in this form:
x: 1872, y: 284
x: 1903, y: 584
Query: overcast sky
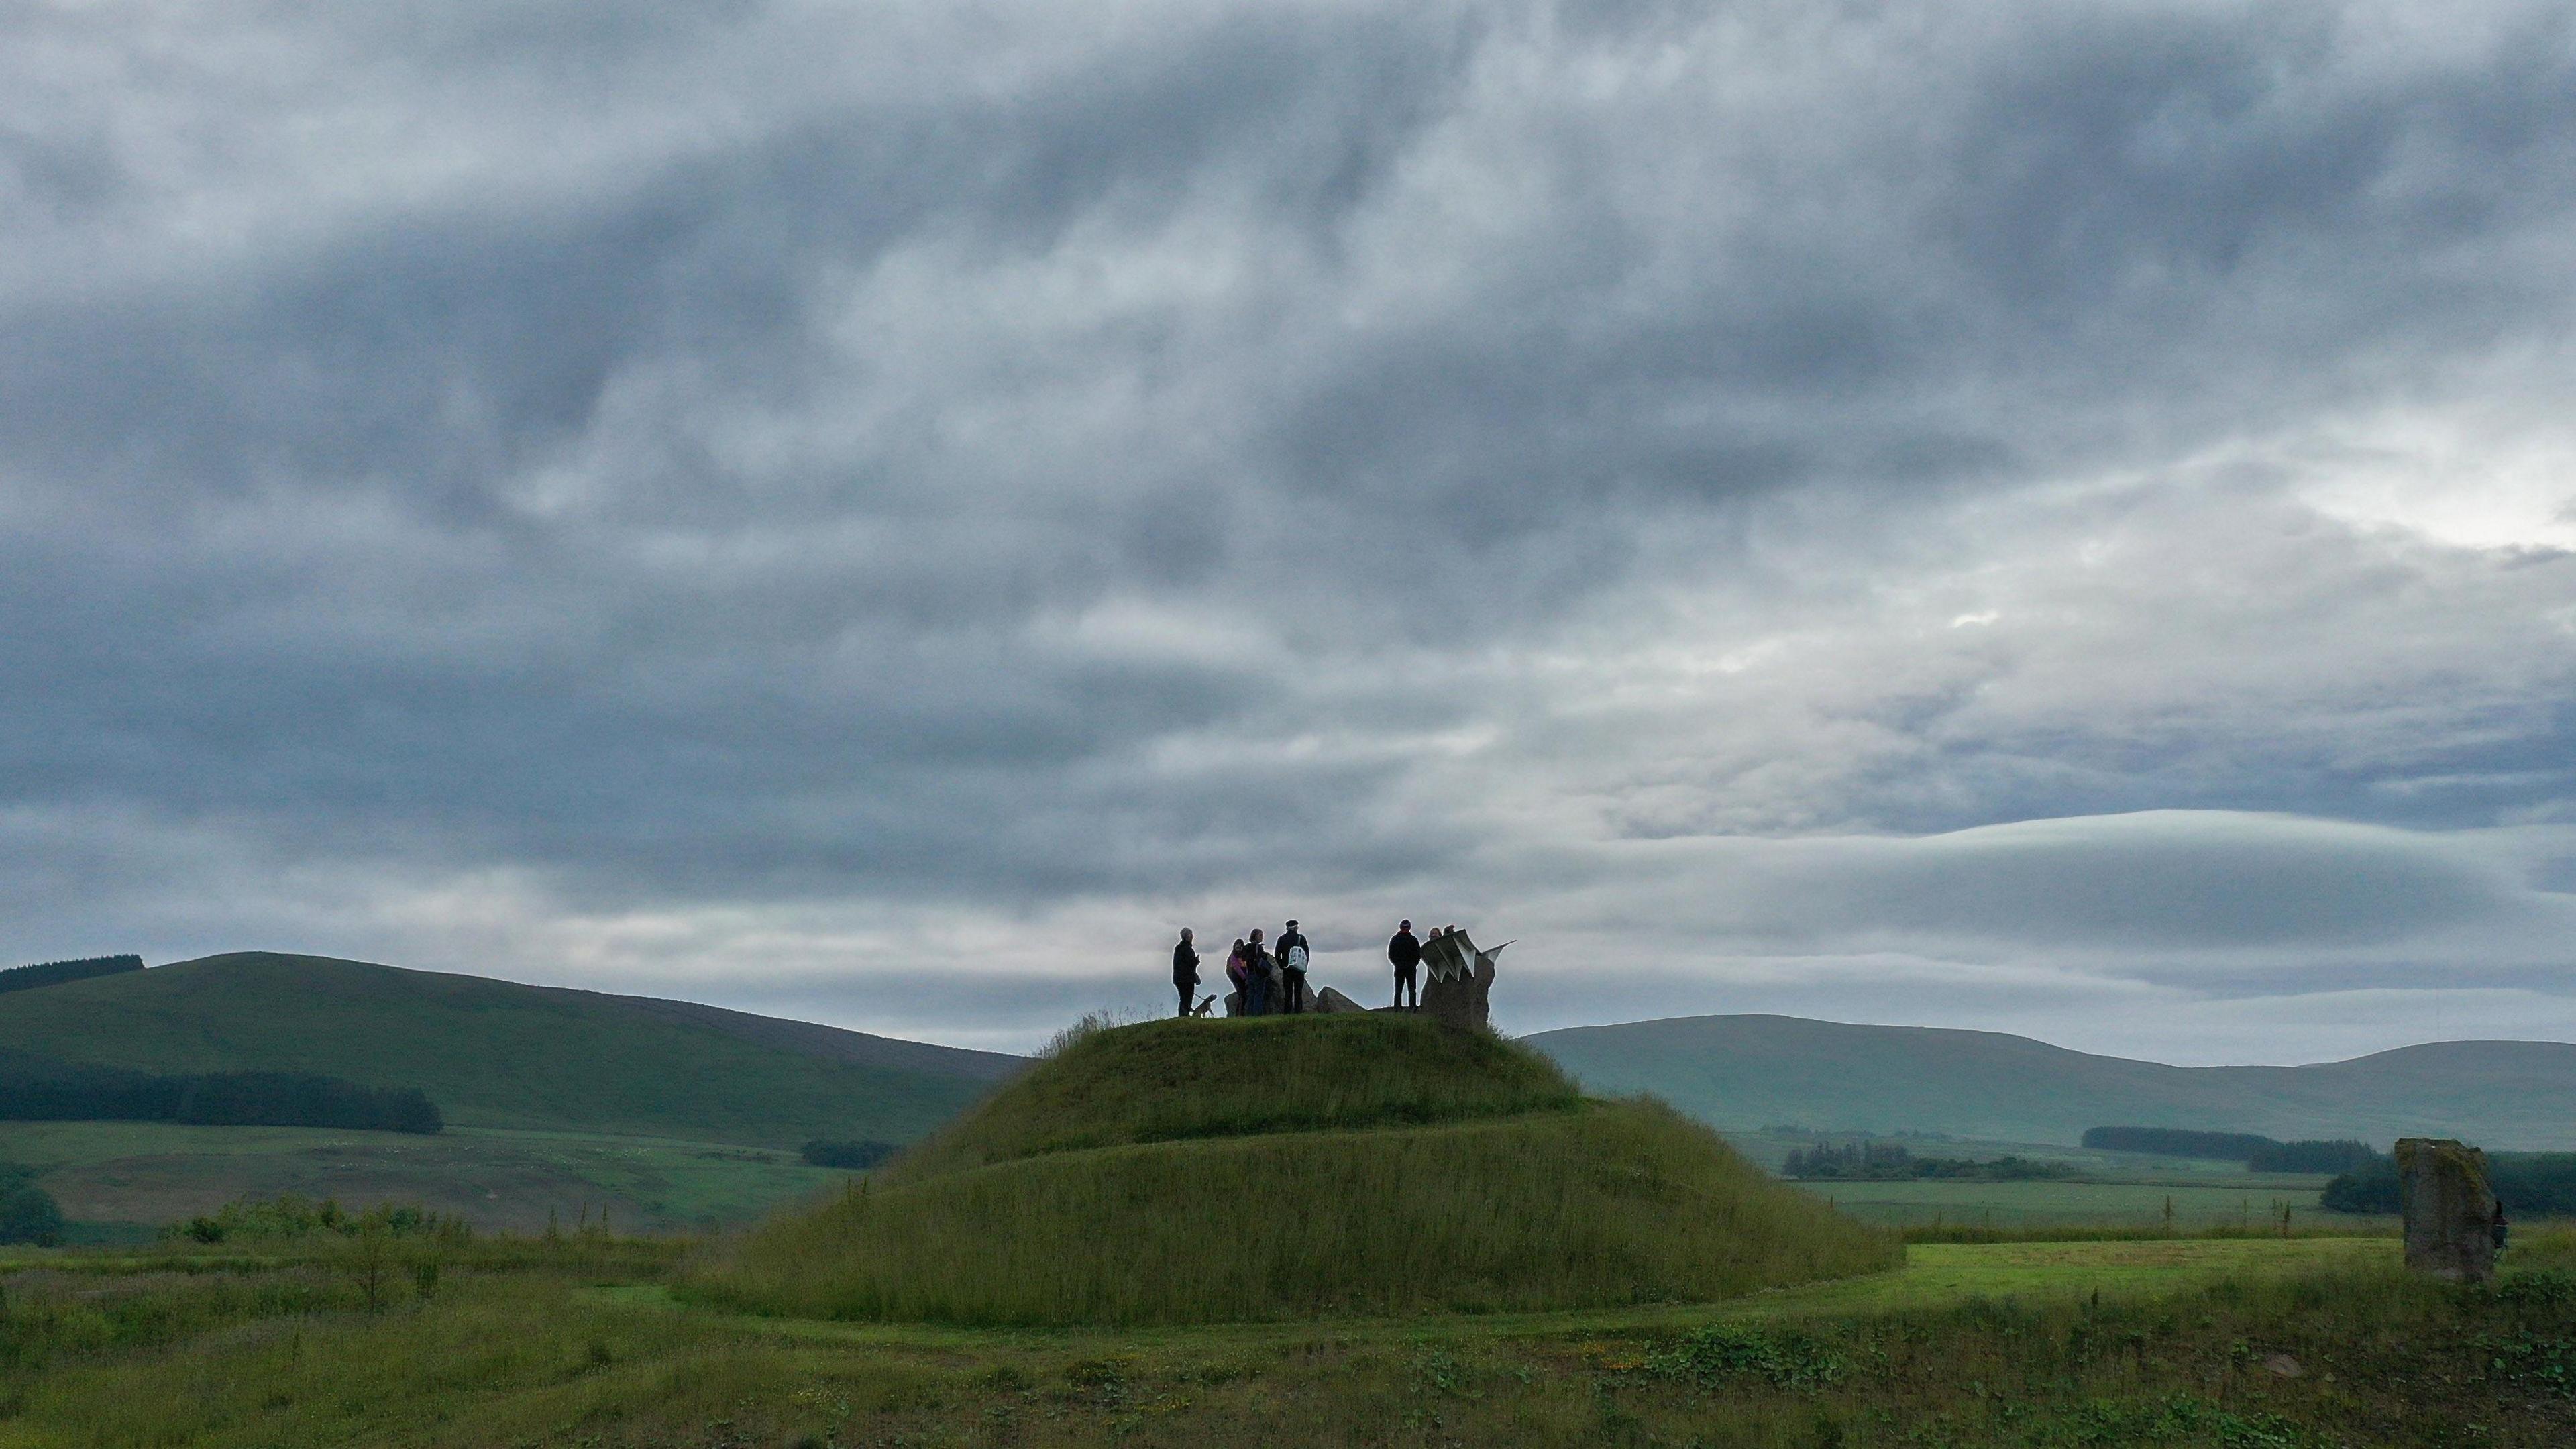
x: 2056, y: 518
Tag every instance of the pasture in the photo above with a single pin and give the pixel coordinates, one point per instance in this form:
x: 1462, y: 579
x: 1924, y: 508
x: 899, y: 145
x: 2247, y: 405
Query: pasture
x: 2128, y: 1204
x: 120, y: 1179
x: 592, y: 1340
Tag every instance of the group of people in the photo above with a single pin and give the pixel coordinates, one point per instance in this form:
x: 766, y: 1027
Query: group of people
x: 1271, y: 977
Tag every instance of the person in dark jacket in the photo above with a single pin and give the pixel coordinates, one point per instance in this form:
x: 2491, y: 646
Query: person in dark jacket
x: 1263, y: 968
x: 1293, y: 958
x: 1185, y: 969
x: 1404, y: 953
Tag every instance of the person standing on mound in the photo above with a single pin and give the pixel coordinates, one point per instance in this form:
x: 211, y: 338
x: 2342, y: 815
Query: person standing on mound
x: 1404, y: 953
x: 1239, y: 971
x: 1292, y: 970
x: 1185, y: 969
x: 1263, y: 968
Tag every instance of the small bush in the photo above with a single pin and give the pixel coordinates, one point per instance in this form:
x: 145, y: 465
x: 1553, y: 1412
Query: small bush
x: 2547, y: 1287
x: 1723, y: 1353
x: 29, y: 1214
x: 287, y: 1216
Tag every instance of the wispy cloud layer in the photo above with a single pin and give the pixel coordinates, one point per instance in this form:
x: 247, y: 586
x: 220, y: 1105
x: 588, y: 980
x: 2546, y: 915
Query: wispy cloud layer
x: 1982, y: 513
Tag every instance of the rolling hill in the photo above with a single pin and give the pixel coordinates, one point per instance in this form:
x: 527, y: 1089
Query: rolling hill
x: 494, y: 1054
x: 1740, y: 1073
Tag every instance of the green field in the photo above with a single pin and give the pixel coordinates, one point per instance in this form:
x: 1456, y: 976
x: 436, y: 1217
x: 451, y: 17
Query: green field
x: 2022, y: 1204
x: 2225, y: 1345
x: 144, y: 1174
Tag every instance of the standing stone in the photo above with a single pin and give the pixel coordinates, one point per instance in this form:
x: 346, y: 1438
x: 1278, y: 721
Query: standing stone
x: 1457, y: 980
x: 2450, y: 1210
x: 1329, y: 1002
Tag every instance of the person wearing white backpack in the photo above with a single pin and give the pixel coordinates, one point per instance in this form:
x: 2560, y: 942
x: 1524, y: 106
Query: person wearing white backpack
x: 1292, y: 970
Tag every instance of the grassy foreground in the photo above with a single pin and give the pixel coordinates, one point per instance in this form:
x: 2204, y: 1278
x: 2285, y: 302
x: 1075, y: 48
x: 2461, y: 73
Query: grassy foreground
x: 1205, y: 1171
x: 2221, y: 1345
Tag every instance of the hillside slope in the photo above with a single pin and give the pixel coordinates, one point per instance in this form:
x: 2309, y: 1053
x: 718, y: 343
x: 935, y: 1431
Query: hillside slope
x: 498, y: 1054
x: 1196, y: 1171
x: 1745, y: 1072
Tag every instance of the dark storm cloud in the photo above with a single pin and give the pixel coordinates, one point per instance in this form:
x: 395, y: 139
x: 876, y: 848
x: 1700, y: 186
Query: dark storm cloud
x: 1053, y: 459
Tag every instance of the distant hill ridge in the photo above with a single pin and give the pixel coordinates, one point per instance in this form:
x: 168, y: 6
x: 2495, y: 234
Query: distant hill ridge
x: 498, y: 1054
x: 1745, y: 1072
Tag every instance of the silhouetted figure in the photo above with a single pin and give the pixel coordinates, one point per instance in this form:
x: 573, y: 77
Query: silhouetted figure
x: 2500, y: 1229
x: 1404, y: 953
x: 1238, y: 969
x: 1185, y: 969
x: 1293, y: 957
x: 1263, y: 968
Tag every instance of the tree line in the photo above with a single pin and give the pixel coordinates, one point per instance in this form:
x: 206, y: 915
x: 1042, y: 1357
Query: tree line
x: 2529, y: 1184
x: 36, y: 1088
x: 1862, y: 1161
x: 55, y: 973
x: 2257, y: 1152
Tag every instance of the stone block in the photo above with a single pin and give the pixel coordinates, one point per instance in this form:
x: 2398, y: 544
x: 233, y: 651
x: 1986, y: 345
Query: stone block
x: 2450, y: 1209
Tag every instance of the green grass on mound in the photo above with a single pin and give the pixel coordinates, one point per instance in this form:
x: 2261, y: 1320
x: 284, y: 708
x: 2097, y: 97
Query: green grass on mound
x: 1186, y: 1172
x: 1167, y: 1081
x: 1622, y: 1203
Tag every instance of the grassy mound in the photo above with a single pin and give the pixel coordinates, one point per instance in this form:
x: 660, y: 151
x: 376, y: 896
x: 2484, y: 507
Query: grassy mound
x: 1169, y: 1081
x: 1197, y: 1172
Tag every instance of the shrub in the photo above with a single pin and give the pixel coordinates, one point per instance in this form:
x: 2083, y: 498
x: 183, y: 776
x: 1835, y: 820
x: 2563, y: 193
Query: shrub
x: 289, y: 1216
x: 29, y: 1214
x: 1720, y: 1353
